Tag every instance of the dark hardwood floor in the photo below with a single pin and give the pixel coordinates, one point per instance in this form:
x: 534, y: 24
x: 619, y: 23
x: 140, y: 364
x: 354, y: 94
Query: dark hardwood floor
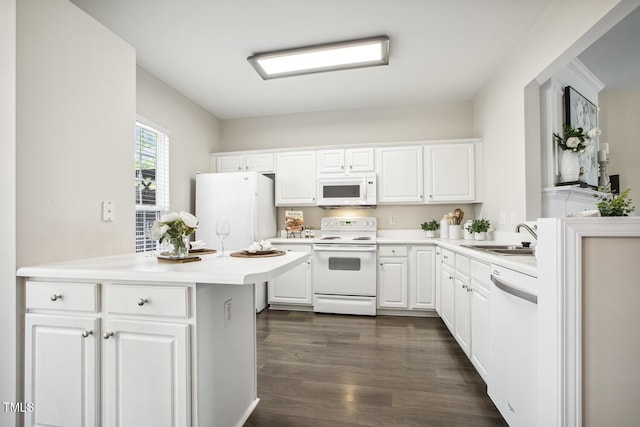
x: 334, y: 370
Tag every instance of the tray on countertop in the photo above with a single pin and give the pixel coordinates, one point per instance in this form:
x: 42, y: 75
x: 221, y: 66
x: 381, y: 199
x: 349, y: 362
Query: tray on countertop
x: 258, y: 254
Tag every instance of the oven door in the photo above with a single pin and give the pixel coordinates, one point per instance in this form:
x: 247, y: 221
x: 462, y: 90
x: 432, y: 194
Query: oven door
x: 344, y: 269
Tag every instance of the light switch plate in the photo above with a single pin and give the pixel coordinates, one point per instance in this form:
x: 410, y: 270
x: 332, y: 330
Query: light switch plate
x: 108, y: 210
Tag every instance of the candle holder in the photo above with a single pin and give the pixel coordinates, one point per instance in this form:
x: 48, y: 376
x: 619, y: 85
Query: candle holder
x: 603, y: 181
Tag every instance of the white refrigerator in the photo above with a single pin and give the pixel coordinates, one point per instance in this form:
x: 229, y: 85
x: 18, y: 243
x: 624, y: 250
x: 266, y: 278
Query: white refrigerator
x: 246, y: 199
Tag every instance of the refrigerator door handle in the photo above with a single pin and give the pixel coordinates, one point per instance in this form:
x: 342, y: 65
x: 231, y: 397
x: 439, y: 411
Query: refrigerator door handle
x: 254, y: 212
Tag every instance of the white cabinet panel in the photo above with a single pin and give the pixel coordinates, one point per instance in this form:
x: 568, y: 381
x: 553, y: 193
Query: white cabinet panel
x: 422, y: 282
x: 359, y: 159
x: 462, y: 313
x: 449, y: 172
x: 392, y: 282
x: 258, y: 162
x: 346, y: 160
x: 230, y: 163
x: 448, y: 297
x: 331, y: 161
x: 480, y: 328
x: 61, y: 350
x: 294, y: 286
x: 400, y: 177
x: 147, y: 374
x: 296, y: 178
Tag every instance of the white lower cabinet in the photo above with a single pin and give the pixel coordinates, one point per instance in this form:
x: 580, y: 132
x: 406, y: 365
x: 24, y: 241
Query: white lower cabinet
x: 392, y: 277
x: 447, y: 278
x: 147, y: 377
x: 422, y: 280
x: 463, y: 301
x: 462, y: 313
x: 61, y: 350
x: 294, y: 286
x: 480, y: 287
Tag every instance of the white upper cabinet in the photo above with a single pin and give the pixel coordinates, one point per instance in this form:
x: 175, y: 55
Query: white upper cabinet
x: 449, y: 172
x: 259, y: 162
x: 400, y: 174
x: 296, y: 178
x: 346, y: 160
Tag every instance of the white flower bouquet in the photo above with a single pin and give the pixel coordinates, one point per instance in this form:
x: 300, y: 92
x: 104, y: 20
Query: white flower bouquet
x: 175, y: 228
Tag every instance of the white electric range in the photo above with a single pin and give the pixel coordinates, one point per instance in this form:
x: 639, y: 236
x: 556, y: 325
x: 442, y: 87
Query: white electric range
x: 344, y: 266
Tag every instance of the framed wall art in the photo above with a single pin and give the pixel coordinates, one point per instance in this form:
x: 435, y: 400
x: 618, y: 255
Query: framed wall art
x: 580, y: 112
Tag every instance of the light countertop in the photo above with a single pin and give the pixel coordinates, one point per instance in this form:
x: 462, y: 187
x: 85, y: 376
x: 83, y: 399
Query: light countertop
x: 142, y: 267
x: 526, y: 264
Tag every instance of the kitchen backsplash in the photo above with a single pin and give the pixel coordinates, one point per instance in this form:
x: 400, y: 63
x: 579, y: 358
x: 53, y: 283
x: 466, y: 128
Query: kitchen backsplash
x: 390, y: 217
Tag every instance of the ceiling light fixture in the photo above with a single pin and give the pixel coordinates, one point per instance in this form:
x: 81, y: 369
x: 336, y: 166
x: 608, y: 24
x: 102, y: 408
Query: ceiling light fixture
x: 360, y: 53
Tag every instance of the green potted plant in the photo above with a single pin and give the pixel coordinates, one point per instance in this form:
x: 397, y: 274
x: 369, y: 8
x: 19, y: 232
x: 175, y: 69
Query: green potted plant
x: 613, y: 204
x: 479, y: 228
x: 431, y: 227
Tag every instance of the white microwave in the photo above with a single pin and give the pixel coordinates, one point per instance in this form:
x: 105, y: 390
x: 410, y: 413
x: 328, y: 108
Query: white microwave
x: 347, y: 190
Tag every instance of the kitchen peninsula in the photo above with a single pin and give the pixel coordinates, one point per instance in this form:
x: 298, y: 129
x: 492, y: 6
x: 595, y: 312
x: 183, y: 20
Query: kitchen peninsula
x: 129, y: 340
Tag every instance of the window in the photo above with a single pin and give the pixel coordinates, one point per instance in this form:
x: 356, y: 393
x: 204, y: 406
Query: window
x: 151, y: 182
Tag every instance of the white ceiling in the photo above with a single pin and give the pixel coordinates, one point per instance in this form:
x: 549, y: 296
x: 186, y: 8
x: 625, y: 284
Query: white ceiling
x: 441, y: 50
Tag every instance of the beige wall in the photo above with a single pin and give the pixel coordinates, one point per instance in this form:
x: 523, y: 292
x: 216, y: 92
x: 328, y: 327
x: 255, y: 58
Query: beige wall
x: 406, y: 217
x: 75, y: 120
x: 619, y: 120
x: 194, y: 133
x: 421, y: 122
x: 499, y: 108
x: 610, y: 331
x: 413, y: 123
x: 8, y: 366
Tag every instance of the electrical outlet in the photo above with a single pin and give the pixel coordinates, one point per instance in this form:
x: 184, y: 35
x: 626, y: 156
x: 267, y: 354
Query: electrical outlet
x: 392, y: 219
x: 228, y: 319
x: 513, y: 218
x: 503, y: 218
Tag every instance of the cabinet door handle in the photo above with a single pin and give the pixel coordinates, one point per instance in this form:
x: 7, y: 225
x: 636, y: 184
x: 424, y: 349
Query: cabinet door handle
x: 142, y: 301
x: 55, y: 297
x: 445, y: 257
x: 107, y: 335
x: 86, y: 333
x: 450, y: 277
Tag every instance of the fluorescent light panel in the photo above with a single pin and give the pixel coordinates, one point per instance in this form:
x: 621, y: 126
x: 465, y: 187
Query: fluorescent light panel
x: 327, y: 57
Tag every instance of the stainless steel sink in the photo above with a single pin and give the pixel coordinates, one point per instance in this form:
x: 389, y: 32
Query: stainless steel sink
x: 489, y: 247
x: 517, y: 251
x: 503, y: 249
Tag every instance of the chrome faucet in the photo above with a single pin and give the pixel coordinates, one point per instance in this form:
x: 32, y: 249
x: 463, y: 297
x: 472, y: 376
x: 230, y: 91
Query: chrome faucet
x: 526, y: 227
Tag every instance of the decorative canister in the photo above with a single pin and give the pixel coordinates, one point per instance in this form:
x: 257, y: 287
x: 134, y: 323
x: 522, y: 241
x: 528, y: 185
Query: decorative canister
x: 467, y: 234
x: 455, y: 231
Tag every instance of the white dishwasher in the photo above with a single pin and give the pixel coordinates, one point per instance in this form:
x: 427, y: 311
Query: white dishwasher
x: 513, y: 341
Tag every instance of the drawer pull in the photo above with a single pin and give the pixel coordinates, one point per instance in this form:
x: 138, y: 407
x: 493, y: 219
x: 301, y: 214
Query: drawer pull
x: 56, y: 297
x: 86, y: 333
x: 142, y: 301
x: 107, y: 335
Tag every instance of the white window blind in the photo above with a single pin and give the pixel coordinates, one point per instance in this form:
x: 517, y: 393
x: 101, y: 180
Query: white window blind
x: 151, y: 181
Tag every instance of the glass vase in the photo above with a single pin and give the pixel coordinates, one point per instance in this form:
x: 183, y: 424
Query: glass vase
x: 178, y: 247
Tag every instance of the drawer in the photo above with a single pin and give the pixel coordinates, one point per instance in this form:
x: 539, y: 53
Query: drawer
x: 61, y: 296
x: 480, y: 272
x: 392, y: 251
x: 448, y: 257
x: 170, y: 301
x: 301, y: 247
x: 462, y: 265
